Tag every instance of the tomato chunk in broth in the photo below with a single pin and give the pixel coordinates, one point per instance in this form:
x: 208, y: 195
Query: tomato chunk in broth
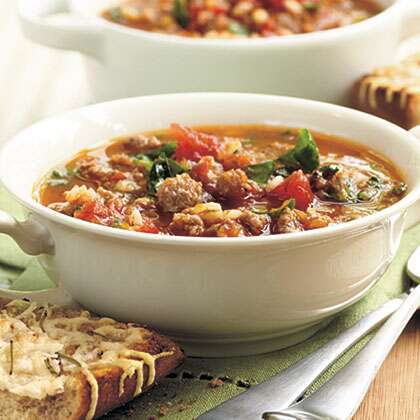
x: 223, y: 181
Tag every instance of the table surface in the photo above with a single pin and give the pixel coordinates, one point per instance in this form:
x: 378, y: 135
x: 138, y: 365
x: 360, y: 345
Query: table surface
x: 37, y: 82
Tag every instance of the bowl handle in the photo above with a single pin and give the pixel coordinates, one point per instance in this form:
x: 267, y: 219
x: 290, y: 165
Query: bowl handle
x: 55, y: 296
x: 411, y: 19
x: 34, y: 239
x: 31, y: 236
x: 77, y: 33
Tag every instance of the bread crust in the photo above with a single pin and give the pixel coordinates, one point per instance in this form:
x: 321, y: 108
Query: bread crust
x: 108, y: 379
x: 76, y: 401
x: 406, y: 117
x: 392, y: 93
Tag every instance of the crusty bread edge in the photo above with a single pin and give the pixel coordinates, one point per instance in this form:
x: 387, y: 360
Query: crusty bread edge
x: 407, y: 117
x: 109, y: 377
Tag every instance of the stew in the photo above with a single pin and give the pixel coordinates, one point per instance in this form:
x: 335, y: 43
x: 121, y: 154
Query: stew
x: 223, y: 181
x: 240, y: 18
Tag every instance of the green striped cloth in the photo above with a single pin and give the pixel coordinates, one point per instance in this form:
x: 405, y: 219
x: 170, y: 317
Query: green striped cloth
x: 189, y: 392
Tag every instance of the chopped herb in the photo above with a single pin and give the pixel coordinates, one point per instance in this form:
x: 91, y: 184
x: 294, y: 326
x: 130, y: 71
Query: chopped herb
x: 372, y: 190
x: 57, y: 182
x: 261, y: 172
x: 50, y: 367
x: 42, y: 320
x: 167, y: 149
x: 180, y: 12
x: 69, y: 359
x: 55, y: 174
x: 262, y: 209
x: 311, y: 5
x: 349, y: 193
x: 116, y: 14
x: 281, y: 172
x: 247, y: 141
x: 368, y: 194
x: 305, y: 155
x: 162, y: 168
x: 237, y: 28
x: 72, y: 171
x: 400, y: 189
x: 143, y: 160
x: 291, y: 204
x: 57, y: 178
x: 99, y: 335
x: 328, y: 171
x: 259, y: 209
x: 117, y: 222
x: 374, y: 181
x: 11, y: 358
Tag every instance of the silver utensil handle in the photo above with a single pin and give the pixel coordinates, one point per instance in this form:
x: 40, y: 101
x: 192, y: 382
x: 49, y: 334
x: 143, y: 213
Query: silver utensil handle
x: 339, y: 398
x: 284, y: 388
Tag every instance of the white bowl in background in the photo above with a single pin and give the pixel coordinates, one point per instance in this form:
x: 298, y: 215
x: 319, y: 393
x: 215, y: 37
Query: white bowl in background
x: 217, y: 296
x: 123, y: 62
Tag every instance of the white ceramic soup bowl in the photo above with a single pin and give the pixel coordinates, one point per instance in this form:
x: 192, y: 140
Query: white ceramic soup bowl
x: 218, y: 296
x: 123, y: 62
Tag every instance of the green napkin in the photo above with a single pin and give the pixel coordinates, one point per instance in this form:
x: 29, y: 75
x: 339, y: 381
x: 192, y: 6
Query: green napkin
x: 190, y: 391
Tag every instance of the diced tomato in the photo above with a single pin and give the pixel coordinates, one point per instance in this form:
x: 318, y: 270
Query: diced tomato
x: 200, y: 171
x: 275, y: 4
x: 117, y: 176
x: 236, y: 161
x: 95, y: 212
x: 295, y: 186
x: 117, y: 207
x: 193, y: 145
x: 147, y: 227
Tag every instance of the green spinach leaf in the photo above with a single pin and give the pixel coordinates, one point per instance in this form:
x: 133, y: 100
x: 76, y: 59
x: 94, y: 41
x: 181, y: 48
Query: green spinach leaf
x: 167, y: 149
x: 180, y: 12
x: 305, y: 155
x: 261, y: 172
x: 162, y: 168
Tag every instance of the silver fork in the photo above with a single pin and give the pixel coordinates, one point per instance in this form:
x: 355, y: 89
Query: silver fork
x: 339, y: 398
x: 285, y: 388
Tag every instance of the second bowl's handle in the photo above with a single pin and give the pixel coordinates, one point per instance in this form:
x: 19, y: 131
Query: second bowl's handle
x: 75, y: 33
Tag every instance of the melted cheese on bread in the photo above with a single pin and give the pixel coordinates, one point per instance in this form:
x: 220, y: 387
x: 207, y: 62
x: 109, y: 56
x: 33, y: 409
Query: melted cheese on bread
x: 41, y: 346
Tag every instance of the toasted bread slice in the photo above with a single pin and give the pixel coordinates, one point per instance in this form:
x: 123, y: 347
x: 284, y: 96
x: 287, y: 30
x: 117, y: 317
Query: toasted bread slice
x: 392, y: 93
x: 58, y: 363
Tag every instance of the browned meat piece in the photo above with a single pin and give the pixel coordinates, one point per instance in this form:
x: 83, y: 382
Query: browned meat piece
x: 343, y: 184
x: 147, y: 207
x: 288, y: 222
x: 141, y: 143
x: 106, y: 194
x: 186, y: 225
x: 90, y: 169
x: 65, y: 208
x: 228, y: 228
x: 207, y: 171
x: 234, y: 184
x: 256, y: 224
x: 122, y: 160
x: 179, y: 193
x: 315, y: 220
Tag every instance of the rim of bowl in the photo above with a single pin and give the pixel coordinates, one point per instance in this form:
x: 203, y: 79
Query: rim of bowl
x: 298, y: 39
x: 306, y: 237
